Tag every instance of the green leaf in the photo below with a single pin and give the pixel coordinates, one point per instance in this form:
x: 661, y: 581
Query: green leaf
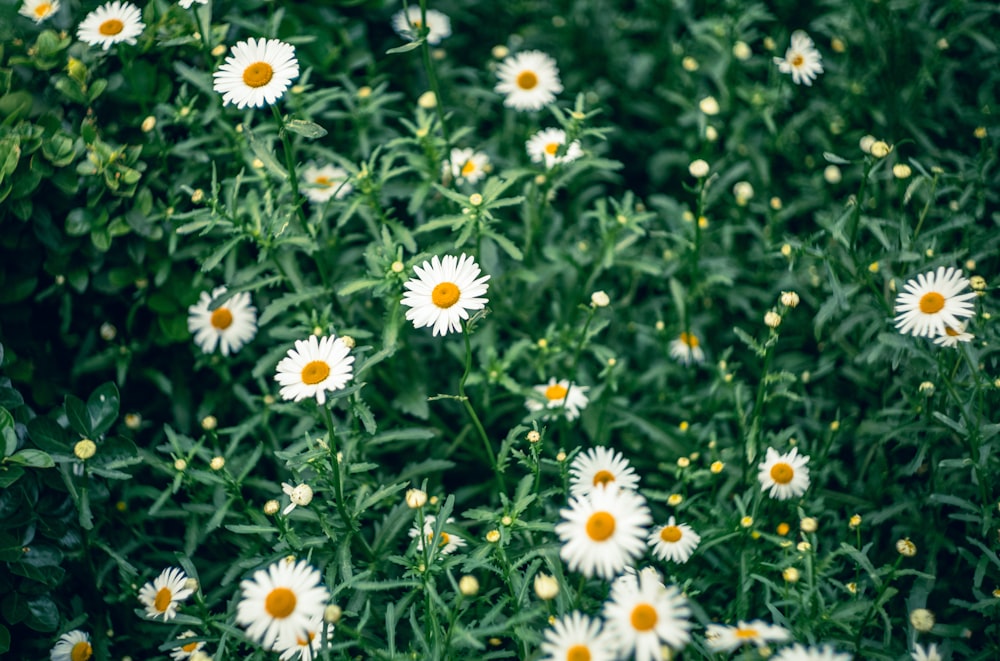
x: 306, y: 129
x: 405, y: 48
x: 251, y: 530
x: 9, y: 475
x: 48, y: 435
x: 4, y: 639
x: 32, y: 458
x: 7, y: 433
x: 102, y: 408
x: 76, y: 411
x: 213, y: 260
x: 43, y: 614
x: 282, y: 303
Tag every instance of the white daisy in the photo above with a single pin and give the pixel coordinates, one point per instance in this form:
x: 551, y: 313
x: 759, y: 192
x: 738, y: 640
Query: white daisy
x: 186, y: 651
x: 674, y: 541
x: 280, y: 602
x: 603, y: 532
x: 577, y: 636
x: 726, y: 638
x: 230, y: 325
x: 186, y: 4
x: 952, y: 336
x: 256, y: 73
x: 799, y: 652
x: 39, y: 10
x: 529, y: 79
x: 933, y: 301
x: 687, y: 349
x: 643, y: 615
x: 597, y: 468
x: 72, y: 646
x: 307, y: 646
x: 161, y: 595
x: 786, y: 475
x: 560, y: 395
x: 300, y: 495
x: 322, y: 183
x: 407, y: 25
x: 925, y: 654
x: 111, y: 23
x: 545, y: 146
x: 443, y: 292
x: 313, y: 367
x: 448, y: 543
x: 467, y: 165
x: 802, y: 60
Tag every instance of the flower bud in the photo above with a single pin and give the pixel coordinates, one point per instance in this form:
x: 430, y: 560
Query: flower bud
x: 468, y: 585
x: 85, y: 449
x: 546, y: 587
x: 415, y: 498
x: 698, y: 168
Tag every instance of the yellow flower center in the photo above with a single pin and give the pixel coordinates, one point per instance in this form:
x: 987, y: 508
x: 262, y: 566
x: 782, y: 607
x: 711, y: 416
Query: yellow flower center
x: 315, y: 372
x: 798, y: 60
x: 43, y: 10
x: 747, y: 633
x: 671, y: 534
x: 163, y: 599
x: 280, y: 603
x: 442, y: 542
x: 643, y: 617
x: 578, y: 653
x: 690, y: 340
x: 603, y: 477
x: 258, y: 74
x: 468, y: 168
x: 782, y: 473
x: 555, y: 391
x: 931, y: 302
x: 552, y: 148
x: 222, y: 318
x: 81, y: 651
x: 445, y: 295
x: 948, y: 330
x: 600, y: 526
x: 323, y: 182
x: 302, y: 642
x: 190, y: 647
x: 111, y: 27
x: 527, y: 80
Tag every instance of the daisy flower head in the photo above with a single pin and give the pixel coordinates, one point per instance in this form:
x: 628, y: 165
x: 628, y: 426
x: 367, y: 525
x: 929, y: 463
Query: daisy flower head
x: 300, y: 495
x: 313, y: 367
x: 467, y: 165
x: 546, y: 146
x: 186, y: 4
x: 229, y: 326
x: 798, y: 652
x: 785, y: 475
x: 280, y: 602
x: 727, y: 638
x: 407, y: 25
x: 39, y: 10
x: 921, y: 653
x: 952, y: 336
x: 643, y: 615
x: 72, y: 646
x: 161, y: 595
x: 600, y: 467
x: 187, y: 650
x: 933, y: 301
x: 448, y: 543
x: 443, y: 291
x: 560, y: 395
x: 577, y: 636
x: 686, y: 349
x: 322, y: 183
x: 257, y: 72
x: 306, y: 646
x: 111, y: 23
x: 604, y: 531
x: 530, y: 80
x: 802, y: 60
x: 674, y: 541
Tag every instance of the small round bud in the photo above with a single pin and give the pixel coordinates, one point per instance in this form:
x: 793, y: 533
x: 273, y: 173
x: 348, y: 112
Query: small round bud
x: 716, y: 467
x: 741, y: 51
x: 148, y: 124
x: 711, y: 133
x: 218, y: 463
x: 348, y: 341
x: 675, y: 499
x: 209, y: 423
x: 546, y: 587
x: 832, y: 174
x: 191, y: 584
x: 926, y: 388
x: 709, y: 105
x: 852, y: 587
x: 906, y: 548
x: 980, y: 132
x: 683, y: 462
x: 475, y: 199
x: 684, y: 425
x: 108, y: 331
x: 854, y: 521
x: 746, y: 521
x: 772, y: 319
x: 786, y: 250
x: 493, y: 536
x: 180, y: 465
x: 534, y: 436
x: 880, y: 149
x: 397, y: 267
x: 775, y: 203
x: 698, y: 168
x: 133, y: 420
x: 468, y: 585
x: 791, y: 575
x: 300, y: 495
x: 364, y: 92
x: 600, y: 299
x: 560, y: 456
x: 783, y: 529
x: 743, y: 192
x: 219, y: 50
x: 415, y: 498
x: 838, y: 45
x: 770, y: 43
x: 808, y: 524
x: 866, y: 143
x: 789, y: 299
x: 198, y: 195
x: 427, y: 100
x: 901, y: 171
x: 271, y: 507
x: 922, y: 619
x: 977, y: 282
x: 500, y: 51
x: 85, y: 449
x: 690, y: 64
x: 803, y: 547
x: 506, y: 520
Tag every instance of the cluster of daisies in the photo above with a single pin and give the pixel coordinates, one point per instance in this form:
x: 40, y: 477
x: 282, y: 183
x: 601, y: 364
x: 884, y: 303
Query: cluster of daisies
x: 605, y: 530
x: 283, y: 608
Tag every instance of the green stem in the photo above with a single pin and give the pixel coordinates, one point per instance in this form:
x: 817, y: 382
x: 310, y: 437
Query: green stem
x: 753, y: 433
x: 467, y: 403
x: 338, y: 485
x: 927, y: 206
x: 425, y: 50
x: 293, y: 178
x: 856, y: 215
x: 875, y: 603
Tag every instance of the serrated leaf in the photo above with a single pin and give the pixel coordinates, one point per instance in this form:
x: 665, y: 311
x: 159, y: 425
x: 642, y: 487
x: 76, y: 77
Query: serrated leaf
x: 282, y: 303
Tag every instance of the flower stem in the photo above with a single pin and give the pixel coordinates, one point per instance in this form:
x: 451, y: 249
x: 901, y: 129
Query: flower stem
x: 293, y: 178
x: 432, y: 80
x: 467, y: 403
